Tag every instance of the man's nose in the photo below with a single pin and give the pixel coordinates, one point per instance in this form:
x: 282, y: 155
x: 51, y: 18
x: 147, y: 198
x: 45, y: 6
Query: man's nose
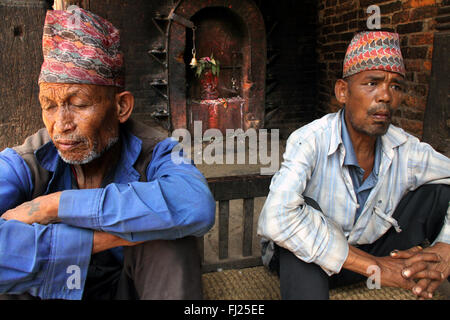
x: 384, y: 93
x: 64, y: 120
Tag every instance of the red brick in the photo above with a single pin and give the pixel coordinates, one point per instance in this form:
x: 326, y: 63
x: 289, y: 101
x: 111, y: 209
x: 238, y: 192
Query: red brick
x: 419, y: 89
x: 341, y: 27
x: 423, y: 77
x: 400, y: 17
x: 415, y: 52
x: 353, y: 24
x: 421, y: 39
x: 423, y: 13
x: 410, y: 27
x: 430, y: 52
x: 366, y: 3
x: 412, y: 126
x: 391, y: 7
x: 413, y: 64
x: 420, y: 3
x: 385, y: 21
x: 409, y: 76
x: 349, y: 16
x: 411, y: 101
x: 345, y: 7
x: 413, y: 114
x: 403, y: 41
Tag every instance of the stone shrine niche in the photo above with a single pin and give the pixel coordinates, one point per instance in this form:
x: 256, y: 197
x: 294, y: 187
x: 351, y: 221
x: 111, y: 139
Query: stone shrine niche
x: 217, y: 101
x: 233, y: 32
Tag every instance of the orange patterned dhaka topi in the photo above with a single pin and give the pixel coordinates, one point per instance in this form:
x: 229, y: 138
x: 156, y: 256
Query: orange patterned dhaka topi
x: 81, y: 47
x: 374, y: 50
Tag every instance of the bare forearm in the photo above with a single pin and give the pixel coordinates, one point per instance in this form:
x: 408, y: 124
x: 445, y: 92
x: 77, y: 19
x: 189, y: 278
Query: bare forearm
x: 105, y: 241
x: 42, y: 210
x: 359, y: 261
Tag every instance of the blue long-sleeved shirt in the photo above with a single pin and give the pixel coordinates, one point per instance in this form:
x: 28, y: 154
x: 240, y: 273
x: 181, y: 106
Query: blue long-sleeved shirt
x: 39, y: 259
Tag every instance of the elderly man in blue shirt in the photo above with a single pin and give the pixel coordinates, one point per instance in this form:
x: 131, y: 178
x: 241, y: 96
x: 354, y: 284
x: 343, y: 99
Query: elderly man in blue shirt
x: 97, y: 205
x: 355, y: 196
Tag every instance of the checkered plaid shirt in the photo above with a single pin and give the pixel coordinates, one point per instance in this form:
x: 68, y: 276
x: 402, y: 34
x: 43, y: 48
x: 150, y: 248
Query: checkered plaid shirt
x: 313, y: 167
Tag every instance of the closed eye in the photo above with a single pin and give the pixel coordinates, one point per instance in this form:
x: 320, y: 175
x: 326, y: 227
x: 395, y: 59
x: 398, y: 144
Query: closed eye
x: 48, y: 107
x: 79, y: 105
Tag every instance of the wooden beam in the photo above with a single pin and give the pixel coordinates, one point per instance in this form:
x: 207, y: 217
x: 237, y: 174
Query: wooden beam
x: 224, y: 216
x: 247, y: 226
x: 239, y: 187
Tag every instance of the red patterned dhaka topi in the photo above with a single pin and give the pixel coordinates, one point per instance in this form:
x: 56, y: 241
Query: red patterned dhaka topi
x: 81, y: 47
x: 374, y: 50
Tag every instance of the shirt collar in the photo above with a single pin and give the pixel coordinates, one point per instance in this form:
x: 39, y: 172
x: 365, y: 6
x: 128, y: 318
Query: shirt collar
x: 350, y: 156
x: 393, y: 138
x: 336, y: 136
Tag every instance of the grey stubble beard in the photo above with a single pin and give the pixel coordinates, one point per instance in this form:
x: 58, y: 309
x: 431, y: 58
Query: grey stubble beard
x: 92, y: 155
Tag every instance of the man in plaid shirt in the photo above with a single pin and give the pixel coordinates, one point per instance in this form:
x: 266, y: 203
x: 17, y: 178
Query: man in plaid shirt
x: 356, y: 194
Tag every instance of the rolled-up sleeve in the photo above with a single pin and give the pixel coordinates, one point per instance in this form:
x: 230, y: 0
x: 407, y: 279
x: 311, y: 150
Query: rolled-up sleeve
x: 288, y: 221
x: 174, y: 203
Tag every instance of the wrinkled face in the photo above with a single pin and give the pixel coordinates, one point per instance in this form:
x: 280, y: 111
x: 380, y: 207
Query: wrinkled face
x: 371, y: 99
x: 80, y: 118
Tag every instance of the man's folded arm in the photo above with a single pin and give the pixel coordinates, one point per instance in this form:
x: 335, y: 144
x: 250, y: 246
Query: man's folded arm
x: 40, y: 259
x: 36, y: 258
x: 288, y: 221
x: 175, y: 202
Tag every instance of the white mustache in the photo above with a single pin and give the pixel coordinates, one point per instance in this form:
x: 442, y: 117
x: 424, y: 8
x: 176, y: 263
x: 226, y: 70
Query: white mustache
x: 71, y: 138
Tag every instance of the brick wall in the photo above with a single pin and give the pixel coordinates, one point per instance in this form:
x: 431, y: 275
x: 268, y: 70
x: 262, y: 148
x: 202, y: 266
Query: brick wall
x: 414, y: 20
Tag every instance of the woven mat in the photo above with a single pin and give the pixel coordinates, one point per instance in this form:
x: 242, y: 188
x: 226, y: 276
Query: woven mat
x: 259, y: 284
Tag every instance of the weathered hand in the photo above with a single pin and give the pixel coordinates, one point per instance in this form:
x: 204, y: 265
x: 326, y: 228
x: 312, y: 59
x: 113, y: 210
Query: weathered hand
x: 429, y: 267
x: 42, y: 210
x: 391, y: 273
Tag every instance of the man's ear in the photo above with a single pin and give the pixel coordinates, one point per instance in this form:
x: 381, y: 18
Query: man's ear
x: 341, y: 91
x: 125, y: 105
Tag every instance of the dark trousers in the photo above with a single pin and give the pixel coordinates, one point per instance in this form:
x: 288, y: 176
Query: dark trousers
x: 162, y: 270
x: 154, y: 270
x: 420, y: 214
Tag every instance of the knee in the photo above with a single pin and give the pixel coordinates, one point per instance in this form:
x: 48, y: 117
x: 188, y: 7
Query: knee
x: 165, y: 269
x: 178, y: 250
